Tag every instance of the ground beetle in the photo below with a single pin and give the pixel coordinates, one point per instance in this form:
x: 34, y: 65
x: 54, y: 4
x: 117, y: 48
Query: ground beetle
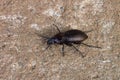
x: 68, y: 38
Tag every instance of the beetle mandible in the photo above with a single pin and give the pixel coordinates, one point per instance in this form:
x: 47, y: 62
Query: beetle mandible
x: 69, y: 38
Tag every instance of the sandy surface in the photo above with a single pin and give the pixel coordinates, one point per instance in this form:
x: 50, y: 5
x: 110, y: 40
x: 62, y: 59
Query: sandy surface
x: 22, y: 55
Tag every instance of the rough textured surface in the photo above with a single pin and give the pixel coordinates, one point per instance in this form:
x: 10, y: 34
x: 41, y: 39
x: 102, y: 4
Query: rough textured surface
x: 21, y: 50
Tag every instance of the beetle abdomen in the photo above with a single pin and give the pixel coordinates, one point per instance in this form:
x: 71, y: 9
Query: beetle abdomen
x: 75, y: 36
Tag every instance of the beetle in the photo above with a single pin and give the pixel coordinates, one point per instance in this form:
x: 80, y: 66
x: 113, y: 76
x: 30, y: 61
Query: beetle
x: 69, y: 38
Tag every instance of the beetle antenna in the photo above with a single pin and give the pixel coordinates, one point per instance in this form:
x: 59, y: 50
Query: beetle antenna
x: 78, y: 51
x: 42, y: 36
x: 91, y: 46
x: 57, y: 28
x: 88, y: 31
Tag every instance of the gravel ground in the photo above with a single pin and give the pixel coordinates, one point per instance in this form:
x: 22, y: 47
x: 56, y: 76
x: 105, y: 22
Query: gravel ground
x: 22, y: 55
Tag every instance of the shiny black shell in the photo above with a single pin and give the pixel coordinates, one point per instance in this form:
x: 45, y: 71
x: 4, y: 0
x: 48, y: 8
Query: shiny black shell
x: 71, y: 36
x: 75, y: 35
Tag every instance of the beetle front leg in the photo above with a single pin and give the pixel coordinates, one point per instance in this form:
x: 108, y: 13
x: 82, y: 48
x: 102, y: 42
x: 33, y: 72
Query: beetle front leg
x: 57, y: 28
x: 46, y: 47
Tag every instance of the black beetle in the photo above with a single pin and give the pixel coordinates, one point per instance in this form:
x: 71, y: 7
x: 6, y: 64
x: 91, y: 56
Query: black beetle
x: 68, y: 38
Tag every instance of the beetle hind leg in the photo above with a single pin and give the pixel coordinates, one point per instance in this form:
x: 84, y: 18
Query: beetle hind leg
x: 91, y: 46
x: 88, y: 31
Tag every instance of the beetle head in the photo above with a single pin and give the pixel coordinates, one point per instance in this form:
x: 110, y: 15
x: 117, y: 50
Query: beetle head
x: 52, y: 41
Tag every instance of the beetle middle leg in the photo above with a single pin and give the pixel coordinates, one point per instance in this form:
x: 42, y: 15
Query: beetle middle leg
x: 78, y: 50
x: 63, y: 50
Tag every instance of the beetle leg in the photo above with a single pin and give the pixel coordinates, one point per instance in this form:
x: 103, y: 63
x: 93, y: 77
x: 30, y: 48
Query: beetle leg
x: 57, y: 28
x: 78, y: 51
x: 63, y: 50
x: 90, y: 45
x: 46, y: 47
x: 88, y: 31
